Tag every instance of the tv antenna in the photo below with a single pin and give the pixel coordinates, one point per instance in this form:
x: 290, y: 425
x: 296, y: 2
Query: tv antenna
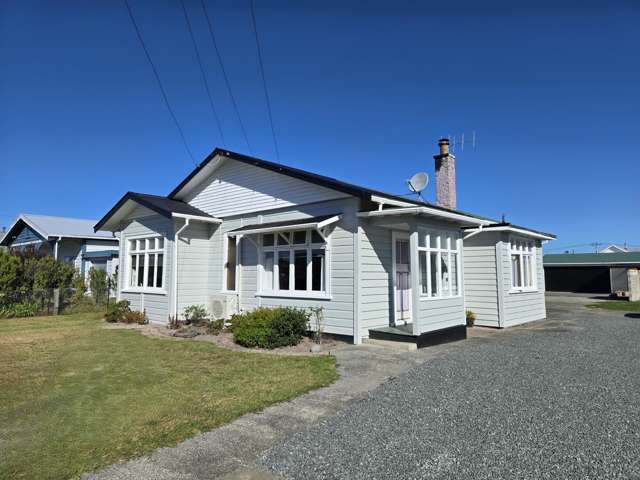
x: 417, y: 183
x: 460, y: 140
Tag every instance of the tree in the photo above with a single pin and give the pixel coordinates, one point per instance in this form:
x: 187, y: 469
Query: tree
x: 9, y: 276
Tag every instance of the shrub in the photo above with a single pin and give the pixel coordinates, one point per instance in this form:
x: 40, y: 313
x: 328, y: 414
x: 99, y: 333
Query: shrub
x: 195, y: 314
x: 471, y: 318
x: 117, y: 312
x: 98, y: 284
x: 79, y: 289
x: 22, y: 309
x: 270, y: 328
x: 10, y: 267
x: 133, y: 316
x: 216, y: 326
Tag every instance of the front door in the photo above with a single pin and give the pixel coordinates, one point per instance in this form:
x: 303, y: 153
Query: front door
x: 402, y: 285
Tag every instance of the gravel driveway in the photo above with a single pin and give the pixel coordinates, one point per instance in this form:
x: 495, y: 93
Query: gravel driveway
x: 556, y: 399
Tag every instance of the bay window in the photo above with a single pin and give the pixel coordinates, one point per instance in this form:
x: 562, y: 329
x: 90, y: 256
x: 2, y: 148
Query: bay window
x: 523, y: 265
x: 293, y: 263
x: 146, y: 263
x: 439, y: 262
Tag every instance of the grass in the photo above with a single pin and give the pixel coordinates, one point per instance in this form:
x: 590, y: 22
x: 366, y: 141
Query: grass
x: 618, y: 305
x: 75, y: 397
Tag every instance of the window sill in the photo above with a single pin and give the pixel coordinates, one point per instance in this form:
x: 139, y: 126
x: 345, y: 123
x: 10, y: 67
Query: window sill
x: 523, y: 290
x: 152, y: 291
x: 301, y: 295
x: 426, y: 298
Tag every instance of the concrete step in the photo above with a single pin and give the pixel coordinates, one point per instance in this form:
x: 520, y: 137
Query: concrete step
x: 402, y: 346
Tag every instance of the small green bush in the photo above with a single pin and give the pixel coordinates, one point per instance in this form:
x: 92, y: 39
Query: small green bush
x: 195, y: 314
x: 17, y: 310
x: 117, y: 311
x: 216, y: 326
x: 133, y: 316
x: 270, y: 327
x: 98, y: 284
x: 471, y: 318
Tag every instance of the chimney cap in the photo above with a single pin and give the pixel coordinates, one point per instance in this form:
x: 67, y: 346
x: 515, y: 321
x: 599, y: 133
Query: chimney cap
x: 443, y: 141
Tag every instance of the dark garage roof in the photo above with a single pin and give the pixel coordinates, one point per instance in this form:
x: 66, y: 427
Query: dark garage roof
x: 587, y: 259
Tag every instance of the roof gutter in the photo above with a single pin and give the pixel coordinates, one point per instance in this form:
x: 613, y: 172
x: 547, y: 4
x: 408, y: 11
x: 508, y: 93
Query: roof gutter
x: 198, y: 218
x: 521, y: 231
x: 425, y: 211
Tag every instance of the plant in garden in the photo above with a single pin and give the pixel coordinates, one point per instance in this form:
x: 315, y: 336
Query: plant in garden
x: 79, y: 288
x: 10, y: 267
x: 270, y: 327
x: 133, y: 316
x: 195, y: 314
x: 117, y: 312
x: 216, y: 326
x: 471, y: 318
x: 318, y: 317
x: 98, y: 284
x: 17, y: 310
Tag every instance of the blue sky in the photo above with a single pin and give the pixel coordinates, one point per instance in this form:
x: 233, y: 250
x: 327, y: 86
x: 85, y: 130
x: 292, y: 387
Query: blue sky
x: 360, y: 91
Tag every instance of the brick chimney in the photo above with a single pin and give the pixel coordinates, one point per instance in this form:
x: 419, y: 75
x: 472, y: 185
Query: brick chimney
x: 445, y: 176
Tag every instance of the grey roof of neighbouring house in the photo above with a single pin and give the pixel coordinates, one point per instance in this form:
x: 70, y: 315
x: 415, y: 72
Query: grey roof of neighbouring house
x: 584, y: 259
x: 52, y: 227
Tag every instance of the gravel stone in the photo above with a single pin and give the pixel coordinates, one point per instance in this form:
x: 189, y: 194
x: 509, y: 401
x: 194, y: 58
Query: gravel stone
x: 555, y: 399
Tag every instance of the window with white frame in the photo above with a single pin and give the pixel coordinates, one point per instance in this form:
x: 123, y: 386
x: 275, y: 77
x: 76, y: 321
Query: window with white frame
x: 231, y: 264
x: 439, y: 259
x: 523, y: 265
x: 146, y: 263
x: 293, y: 263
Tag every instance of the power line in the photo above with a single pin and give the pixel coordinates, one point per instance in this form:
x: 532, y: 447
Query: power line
x: 264, y: 81
x: 204, y: 77
x: 224, y: 74
x: 162, y: 91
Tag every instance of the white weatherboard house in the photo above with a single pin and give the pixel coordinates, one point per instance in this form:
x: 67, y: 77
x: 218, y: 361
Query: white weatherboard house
x: 70, y: 240
x: 240, y: 232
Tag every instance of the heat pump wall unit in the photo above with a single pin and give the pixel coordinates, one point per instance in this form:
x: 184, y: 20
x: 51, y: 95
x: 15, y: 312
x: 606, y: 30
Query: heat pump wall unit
x: 223, y: 306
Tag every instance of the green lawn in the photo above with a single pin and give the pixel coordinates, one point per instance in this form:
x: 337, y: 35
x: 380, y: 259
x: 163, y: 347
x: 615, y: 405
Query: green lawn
x: 619, y: 305
x: 75, y: 396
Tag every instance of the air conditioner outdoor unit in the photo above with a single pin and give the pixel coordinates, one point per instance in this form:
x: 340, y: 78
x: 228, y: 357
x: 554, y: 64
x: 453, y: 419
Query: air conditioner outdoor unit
x: 223, y: 306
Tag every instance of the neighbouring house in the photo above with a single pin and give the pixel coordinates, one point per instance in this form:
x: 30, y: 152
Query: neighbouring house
x: 70, y: 240
x: 239, y: 232
x: 613, y: 248
x: 589, y: 272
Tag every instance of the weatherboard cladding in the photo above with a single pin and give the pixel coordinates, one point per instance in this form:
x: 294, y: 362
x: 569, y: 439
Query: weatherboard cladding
x: 26, y: 235
x: 480, y: 278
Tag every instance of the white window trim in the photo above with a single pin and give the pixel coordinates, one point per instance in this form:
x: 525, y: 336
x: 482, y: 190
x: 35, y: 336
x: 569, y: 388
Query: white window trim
x: 127, y: 280
x: 534, y: 266
x: 225, y: 252
x: 440, y: 250
x: 292, y: 293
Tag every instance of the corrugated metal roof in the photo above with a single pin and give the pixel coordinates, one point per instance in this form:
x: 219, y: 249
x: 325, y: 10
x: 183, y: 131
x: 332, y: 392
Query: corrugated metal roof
x: 591, y: 258
x: 49, y: 226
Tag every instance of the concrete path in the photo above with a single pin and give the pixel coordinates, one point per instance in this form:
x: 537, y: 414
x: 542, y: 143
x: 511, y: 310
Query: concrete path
x: 230, y: 451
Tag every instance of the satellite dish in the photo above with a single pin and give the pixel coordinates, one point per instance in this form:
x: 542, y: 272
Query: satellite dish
x: 418, y: 182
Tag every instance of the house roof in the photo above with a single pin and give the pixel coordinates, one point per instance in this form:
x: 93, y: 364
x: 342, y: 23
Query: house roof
x: 49, y: 227
x: 505, y: 226
x: 587, y: 259
x: 321, y: 180
x: 164, y: 206
x: 311, y: 222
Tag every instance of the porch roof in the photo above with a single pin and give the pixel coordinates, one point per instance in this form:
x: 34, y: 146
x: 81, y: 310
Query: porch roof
x: 304, y: 223
x: 447, y: 215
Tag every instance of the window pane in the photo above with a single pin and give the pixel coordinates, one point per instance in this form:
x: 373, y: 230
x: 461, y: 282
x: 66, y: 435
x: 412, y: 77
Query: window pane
x: 433, y: 240
x: 316, y: 237
x: 423, y: 272
x: 231, y: 263
x: 283, y: 238
x: 444, y: 271
x: 422, y: 240
x: 267, y: 280
x: 300, y: 237
x: 159, y: 270
x: 300, y: 269
x: 151, y: 270
x: 525, y: 266
x: 515, y: 270
x: 132, y: 245
x: 433, y: 260
x: 454, y: 274
x: 317, y: 270
x: 283, y: 270
x: 267, y: 239
x: 140, y: 282
x: 159, y: 243
x: 133, y: 275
